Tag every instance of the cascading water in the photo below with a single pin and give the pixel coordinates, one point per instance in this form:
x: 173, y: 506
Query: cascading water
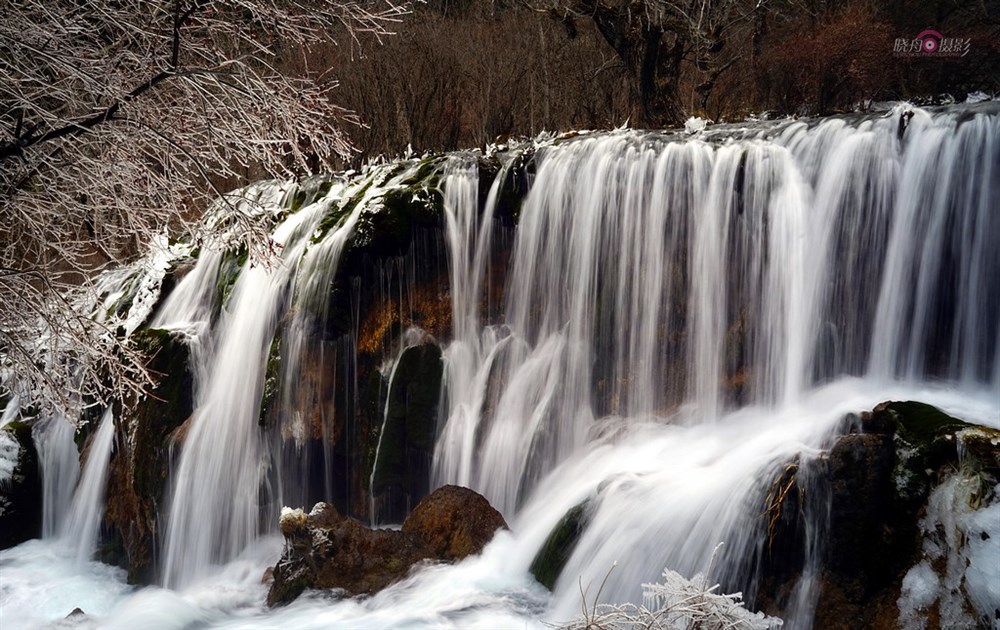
x: 411, y: 338
x: 215, y: 506
x: 650, y: 275
x: 81, y: 527
x: 60, y: 470
x: 656, y: 283
x: 682, y: 319
x: 219, y: 501
x: 469, y: 356
x: 310, y: 314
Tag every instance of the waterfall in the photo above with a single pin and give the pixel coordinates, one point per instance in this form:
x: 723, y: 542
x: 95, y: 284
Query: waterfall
x: 60, y: 466
x: 682, y: 319
x: 219, y: 495
x: 675, y: 310
x: 651, y: 277
x: 10, y: 411
x: 468, y: 358
x: 215, y: 505
x: 82, y: 526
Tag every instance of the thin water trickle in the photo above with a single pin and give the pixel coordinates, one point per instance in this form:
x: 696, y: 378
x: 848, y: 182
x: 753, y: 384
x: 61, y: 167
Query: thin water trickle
x: 411, y: 338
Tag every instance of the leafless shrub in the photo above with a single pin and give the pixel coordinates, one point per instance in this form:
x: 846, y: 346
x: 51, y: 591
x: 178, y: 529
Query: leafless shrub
x: 673, y: 603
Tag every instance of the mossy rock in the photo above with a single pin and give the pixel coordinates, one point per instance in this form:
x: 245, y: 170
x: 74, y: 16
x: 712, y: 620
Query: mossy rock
x: 138, y: 470
x: 411, y: 418
x: 232, y: 264
x: 309, y: 190
x: 407, y: 200
x: 922, y: 424
x: 337, y: 212
x: 383, y: 231
x: 21, y: 491
x: 389, y: 231
x: 551, y: 559
x: 272, y: 381
x: 926, y: 439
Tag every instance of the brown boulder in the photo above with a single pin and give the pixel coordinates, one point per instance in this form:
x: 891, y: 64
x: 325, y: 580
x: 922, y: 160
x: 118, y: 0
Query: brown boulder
x: 327, y: 550
x: 454, y: 522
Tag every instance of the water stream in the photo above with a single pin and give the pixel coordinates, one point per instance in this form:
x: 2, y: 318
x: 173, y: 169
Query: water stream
x: 81, y: 527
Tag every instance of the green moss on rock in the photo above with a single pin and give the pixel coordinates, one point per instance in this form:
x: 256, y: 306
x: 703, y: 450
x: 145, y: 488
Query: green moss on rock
x: 925, y: 440
x: 272, y: 380
x: 232, y: 264
x: 411, y: 417
x: 551, y: 559
x: 922, y: 424
x: 138, y: 470
x: 308, y: 191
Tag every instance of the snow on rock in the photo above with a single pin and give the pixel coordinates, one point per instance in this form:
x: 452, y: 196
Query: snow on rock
x: 137, y: 286
x: 982, y: 577
x: 10, y: 451
x: 920, y: 590
x: 291, y: 519
x: 978, y: 97
x: 961, y: 539
x: 695, y: 124
x: 154, y: 266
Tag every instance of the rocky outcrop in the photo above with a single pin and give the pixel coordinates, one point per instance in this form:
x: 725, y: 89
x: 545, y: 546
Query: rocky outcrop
x: 20, y: 486
x: 405, y: 447
x: 555, y: 552
x: 327, y: 550
x: 877, y: 479
x: 137, y: 475
x: 393, y: 276
x: 453, y: 522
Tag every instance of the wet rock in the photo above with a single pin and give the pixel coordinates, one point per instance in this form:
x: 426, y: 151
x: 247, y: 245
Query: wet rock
x: 20, y: 486
x: 880, y: 476
x: 138, y: 469
x: 406, y: 445
x: 552, y: 557
x: 327, y: 550
x: 454, y: 522
x: 860, y: 468
x: 783, y: 514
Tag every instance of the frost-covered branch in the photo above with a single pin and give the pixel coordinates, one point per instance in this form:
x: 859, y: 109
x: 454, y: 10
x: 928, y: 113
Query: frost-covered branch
x: 674, y: 603
x: 119, y: 119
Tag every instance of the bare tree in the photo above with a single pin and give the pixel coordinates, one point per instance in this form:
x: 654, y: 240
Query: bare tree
x: 654, y: 37
x: 121, y: 117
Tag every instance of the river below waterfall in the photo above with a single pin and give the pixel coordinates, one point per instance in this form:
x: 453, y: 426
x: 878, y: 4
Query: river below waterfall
x: 677, y: 319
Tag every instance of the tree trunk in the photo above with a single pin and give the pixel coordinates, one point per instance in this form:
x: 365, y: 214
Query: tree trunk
x: 652, y: 63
